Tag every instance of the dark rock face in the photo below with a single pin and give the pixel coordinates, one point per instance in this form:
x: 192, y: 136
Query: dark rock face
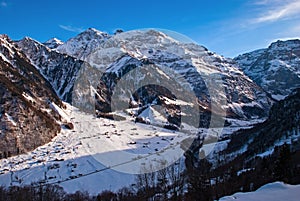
x: 27, y: 119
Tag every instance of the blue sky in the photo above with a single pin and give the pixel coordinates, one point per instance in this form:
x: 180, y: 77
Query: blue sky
x: 228, y: 27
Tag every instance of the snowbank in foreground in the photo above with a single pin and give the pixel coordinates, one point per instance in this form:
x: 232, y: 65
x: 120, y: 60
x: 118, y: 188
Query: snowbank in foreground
x: 276, y: 191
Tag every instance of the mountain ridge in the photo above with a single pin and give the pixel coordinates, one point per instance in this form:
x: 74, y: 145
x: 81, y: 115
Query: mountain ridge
x: 276, y: 68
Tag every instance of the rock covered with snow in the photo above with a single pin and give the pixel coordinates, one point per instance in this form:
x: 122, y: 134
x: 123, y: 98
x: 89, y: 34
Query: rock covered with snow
x: 276, y: 69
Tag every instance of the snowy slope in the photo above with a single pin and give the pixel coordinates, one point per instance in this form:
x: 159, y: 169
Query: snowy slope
x: 72, y: 158
x: 276, y: 69
x: 99, y: 154
x: 276, y: 191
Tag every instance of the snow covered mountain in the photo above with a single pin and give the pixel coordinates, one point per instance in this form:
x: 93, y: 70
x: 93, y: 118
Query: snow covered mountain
x: 28, y: 117
x: 276, y: 69
x: 192, y: 63
x: 83, y: 44
x: 117, y: 55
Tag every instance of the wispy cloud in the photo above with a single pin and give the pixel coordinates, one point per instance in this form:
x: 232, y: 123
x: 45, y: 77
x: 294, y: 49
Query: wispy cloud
x: 265, y: 2
x: 261, y: 2
x: 278, y: 11
x: 3, y: 4
x: 71, y: 28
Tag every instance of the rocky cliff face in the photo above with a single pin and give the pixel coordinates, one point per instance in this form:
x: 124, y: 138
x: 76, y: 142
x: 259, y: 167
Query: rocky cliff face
x: 59, y: 69
x: 27, y: 115
x: 276, y: 69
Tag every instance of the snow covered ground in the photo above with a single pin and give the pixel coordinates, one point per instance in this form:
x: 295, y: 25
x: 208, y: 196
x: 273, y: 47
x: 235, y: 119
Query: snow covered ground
x: 101, y: 154
x: 276, y: 191
x: 97, y: 155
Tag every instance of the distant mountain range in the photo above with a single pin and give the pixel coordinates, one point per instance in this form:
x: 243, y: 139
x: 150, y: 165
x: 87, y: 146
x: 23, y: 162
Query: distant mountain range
x: 245, y: 98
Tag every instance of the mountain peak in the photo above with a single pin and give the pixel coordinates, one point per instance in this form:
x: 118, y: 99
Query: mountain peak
x: 93, y: 31
x: 53, y: 43
x: 53, y: 40
x: 82, y: 44
x: 4, y: 40
x: 30, y: 40
x: 279, y: 44
x: 4, y: 36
